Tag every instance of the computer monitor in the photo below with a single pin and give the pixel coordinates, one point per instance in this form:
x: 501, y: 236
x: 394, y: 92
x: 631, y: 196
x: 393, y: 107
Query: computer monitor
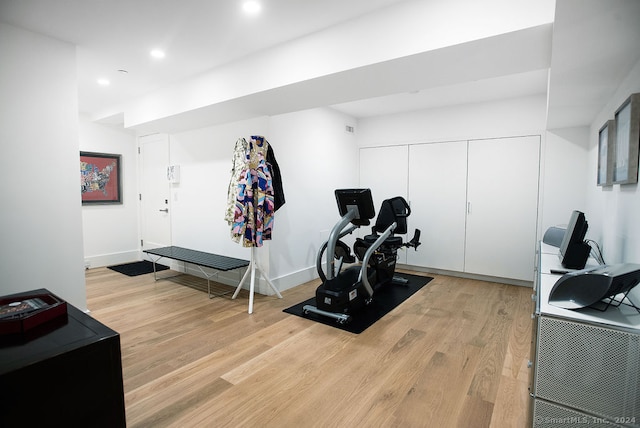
x: 358, y: 199
x: 574, y: 251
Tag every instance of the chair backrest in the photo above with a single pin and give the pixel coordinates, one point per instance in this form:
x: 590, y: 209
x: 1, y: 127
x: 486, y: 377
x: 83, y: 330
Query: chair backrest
x: 393, y: 210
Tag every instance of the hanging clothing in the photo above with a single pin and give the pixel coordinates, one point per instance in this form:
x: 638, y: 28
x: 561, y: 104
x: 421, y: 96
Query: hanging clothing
x: 251, y: 199
x: 278, y: 191
x: 238, y: 165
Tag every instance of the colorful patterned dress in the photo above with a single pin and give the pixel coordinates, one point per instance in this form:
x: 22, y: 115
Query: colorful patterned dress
x: 253, y: 210
x: 238, y: 164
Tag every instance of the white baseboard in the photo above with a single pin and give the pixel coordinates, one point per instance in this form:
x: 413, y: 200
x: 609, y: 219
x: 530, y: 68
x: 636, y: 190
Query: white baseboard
x: 232, y: 278
x: 518, y: 282
x: 282, y: 283
x: 111, y: 259
x: 294, y: 279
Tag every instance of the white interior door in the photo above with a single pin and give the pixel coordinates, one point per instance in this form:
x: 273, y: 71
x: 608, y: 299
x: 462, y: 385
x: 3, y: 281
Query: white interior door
x: 154, y: 191
x: 502, y: 207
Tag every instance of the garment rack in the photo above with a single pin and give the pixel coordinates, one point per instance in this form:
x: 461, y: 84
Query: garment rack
x: 253, y: 267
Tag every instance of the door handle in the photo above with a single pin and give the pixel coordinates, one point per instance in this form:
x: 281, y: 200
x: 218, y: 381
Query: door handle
x: 166, y: 210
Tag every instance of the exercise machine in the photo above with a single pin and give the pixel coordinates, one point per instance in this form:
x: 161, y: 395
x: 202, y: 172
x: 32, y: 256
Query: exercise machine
x: 343, y: 292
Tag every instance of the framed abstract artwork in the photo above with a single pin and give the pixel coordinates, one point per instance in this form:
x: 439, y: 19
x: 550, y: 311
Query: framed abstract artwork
x: 627, y: 125
x: 606, y: 145
x: 100, y: 178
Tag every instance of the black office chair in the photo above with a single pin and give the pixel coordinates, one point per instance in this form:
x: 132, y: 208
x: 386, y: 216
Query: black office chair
x: 394, y: 210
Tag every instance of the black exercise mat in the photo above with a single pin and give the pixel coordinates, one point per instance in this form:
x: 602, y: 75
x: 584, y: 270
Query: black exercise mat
x: 385, y: 299
x: 137, y: 268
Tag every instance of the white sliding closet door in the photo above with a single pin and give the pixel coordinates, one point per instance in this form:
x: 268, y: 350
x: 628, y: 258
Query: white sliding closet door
x: 502, y: 207
x: 437, y: 193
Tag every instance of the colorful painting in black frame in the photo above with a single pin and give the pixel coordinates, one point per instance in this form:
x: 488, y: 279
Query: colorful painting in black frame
x: 100, y: 178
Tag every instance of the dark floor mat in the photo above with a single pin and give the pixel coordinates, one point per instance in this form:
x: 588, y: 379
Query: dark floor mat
x: 385, y: 300
x: 138, y: 268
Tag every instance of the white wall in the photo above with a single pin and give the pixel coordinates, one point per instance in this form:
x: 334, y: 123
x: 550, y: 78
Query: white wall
x: 111, y: 232
x: 315, y: 154
x: 565, y: 173
x: 40, y: 218
x: 506, y: 118
x: 198, y: 201
x: 613, y: 211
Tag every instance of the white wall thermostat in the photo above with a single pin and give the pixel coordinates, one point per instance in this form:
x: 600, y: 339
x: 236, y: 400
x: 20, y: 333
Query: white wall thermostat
x: 173, y: 174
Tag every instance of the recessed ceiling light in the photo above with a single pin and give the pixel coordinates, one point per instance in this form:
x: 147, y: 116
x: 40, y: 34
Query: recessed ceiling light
x: 103, y: 82
x: 157, y: 53
x: 251, y: 6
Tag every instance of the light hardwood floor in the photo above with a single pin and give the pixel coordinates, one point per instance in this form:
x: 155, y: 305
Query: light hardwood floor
x: 453, y: 355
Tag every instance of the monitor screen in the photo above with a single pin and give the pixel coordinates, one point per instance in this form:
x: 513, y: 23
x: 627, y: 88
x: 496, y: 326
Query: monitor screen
x: 358, y: 199
x: 574, y: 252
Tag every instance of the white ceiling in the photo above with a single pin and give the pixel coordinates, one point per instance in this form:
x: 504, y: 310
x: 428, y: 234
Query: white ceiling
x: 199, y: 35
x: 595, y: 45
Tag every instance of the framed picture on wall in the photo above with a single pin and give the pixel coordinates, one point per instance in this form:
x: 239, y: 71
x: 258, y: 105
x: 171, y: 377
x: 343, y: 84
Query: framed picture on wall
x: 100, y: 178
x: 606, y: 143
x: 627, y: 125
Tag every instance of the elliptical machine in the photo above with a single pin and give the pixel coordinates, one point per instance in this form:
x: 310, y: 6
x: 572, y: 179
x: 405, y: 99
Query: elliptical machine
x: 343, y: 293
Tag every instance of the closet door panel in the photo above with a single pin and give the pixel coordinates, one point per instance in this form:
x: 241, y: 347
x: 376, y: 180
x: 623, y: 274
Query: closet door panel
x: 384, y: 171
x: 437, y: 194
x: 502, y: 207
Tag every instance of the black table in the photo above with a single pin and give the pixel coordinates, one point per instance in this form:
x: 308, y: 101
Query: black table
x: 199, y: 259
x: 66, y: 372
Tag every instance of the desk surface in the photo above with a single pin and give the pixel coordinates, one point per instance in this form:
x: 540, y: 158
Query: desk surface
x: 201, y: 258
x: 67, y: 375
x: 53, y: 338
x: 622, y: 316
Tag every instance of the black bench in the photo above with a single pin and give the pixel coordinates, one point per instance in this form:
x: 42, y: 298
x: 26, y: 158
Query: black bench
x: 198, y: 258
